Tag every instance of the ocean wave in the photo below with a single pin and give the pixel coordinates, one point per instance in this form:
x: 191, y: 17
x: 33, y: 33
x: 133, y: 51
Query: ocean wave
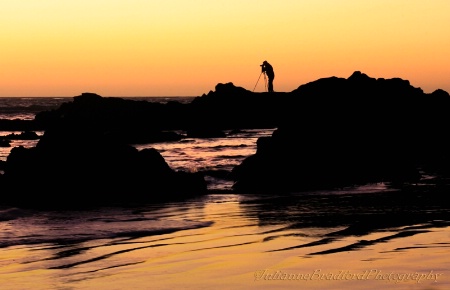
x: 26, y: 227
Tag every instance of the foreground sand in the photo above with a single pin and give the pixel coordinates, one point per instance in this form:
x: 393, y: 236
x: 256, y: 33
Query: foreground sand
x: 237, y: 251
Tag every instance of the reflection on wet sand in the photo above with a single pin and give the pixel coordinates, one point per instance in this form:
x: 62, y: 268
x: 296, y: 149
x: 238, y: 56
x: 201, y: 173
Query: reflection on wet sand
x: 236, y: 237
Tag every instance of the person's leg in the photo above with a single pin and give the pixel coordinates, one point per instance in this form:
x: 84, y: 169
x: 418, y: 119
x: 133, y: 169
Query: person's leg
x: 270, y: 85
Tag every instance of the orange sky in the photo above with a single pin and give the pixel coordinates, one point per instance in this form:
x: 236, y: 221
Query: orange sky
x: 186, y: 47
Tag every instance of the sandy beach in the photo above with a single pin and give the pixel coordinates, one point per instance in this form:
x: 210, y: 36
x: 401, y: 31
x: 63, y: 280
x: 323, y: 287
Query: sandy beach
x: 232, y: 248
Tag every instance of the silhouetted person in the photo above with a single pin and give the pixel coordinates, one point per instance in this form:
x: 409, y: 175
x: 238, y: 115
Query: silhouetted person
x: 268, y: 70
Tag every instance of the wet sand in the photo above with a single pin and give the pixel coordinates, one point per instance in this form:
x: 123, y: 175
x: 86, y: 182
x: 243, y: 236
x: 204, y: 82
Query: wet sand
x: 253, y: 243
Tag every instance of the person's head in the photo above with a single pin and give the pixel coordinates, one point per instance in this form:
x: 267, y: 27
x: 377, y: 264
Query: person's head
x: 265, y: 62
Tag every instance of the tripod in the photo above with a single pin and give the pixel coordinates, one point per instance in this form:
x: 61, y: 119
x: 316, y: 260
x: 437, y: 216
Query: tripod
x: 265, y: 81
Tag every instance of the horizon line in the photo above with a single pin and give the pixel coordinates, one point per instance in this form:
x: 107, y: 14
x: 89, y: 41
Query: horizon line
x: 100, y: 95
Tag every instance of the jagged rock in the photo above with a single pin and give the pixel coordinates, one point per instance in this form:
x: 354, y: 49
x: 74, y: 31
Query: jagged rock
x: 340, y: 132
x: 205, y: 132
x: 4, y: 143
x: 27, y: 135
x: 75, y: 165
x: 330, y: 132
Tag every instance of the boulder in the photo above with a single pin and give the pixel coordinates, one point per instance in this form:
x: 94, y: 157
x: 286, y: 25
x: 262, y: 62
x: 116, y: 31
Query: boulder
x: 340, y: 132
x: 75, y: 165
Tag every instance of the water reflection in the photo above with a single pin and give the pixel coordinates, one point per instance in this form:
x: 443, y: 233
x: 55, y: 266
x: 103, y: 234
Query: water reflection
x: 384, y: 215
x: 232, y: 236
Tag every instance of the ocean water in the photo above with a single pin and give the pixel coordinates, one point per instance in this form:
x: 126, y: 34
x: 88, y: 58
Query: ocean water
x: 365, y: 237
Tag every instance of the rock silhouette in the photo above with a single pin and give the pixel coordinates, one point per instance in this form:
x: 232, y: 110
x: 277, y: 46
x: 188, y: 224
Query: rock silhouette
x: 331, y: 132
x: 341, y: 132
x: 79, y: 164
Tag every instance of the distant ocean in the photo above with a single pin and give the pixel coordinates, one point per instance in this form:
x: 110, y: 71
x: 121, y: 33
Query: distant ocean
x: 26, y: 107
x: 365, y: 237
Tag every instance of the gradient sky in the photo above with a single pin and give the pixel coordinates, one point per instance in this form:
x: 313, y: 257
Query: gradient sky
x: 186, y: 47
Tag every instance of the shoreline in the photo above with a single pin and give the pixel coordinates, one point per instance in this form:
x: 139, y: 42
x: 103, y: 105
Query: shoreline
x: 244, y: 246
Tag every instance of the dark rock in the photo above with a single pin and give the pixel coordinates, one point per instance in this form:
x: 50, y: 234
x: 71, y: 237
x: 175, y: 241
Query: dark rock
x: 4, y: 143
x: 340, y: 132
x: 19, y: 125
x: 231, y: 107
x: 330, y: 132
x: 27, y: 135
x: 75, y: 165
x: 204, y: 132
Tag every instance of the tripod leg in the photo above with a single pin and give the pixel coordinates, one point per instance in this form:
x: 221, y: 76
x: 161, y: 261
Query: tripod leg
x: 258, y: 80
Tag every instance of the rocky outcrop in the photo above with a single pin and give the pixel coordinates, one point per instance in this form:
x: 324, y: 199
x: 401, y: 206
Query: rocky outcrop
x: 231, y: 107
x: 340, y: 132
x: 228, y: 107
x: 4, y: 143
x: 26, y: 135
x: 330, y: 132
x: 78, y: 165
x: 19, y: 125
x: 124, y: 120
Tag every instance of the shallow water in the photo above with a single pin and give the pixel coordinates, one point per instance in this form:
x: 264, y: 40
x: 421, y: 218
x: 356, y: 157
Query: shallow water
x: 366, y: 237
x: 361, y: 238
x: 211, y: 154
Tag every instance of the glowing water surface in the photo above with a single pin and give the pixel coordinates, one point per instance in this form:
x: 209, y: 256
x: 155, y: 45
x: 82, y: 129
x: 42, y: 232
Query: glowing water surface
x: 229, y: 241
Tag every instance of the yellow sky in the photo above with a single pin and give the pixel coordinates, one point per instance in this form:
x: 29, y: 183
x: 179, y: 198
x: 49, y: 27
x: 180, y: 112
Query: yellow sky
x: 186, y: 47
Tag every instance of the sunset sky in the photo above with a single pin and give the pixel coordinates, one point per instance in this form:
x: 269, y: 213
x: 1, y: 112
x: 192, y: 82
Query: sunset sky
x: 186, y: 47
